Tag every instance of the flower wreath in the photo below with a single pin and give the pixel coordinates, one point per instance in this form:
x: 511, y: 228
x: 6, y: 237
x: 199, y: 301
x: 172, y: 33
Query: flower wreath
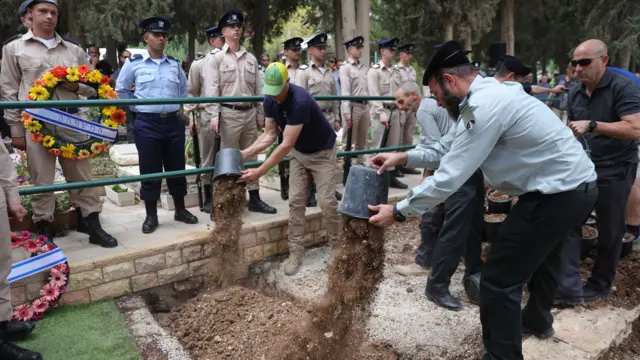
x: 50, y: 292
x: 43, y: 89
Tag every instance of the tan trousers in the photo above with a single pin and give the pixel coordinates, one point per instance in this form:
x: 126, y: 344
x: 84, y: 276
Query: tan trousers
x: 304, y: 169
x: 6, y: 310
x: 207, y: 140
x: 407, y: 124
x: 238, y: 130
x: 42, y: 167
x: 360, y: 124
x: 395, y: 131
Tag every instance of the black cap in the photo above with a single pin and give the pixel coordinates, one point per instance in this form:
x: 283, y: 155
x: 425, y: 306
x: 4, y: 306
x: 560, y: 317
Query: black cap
x: 408, y: 48
x: 388, y: 43
x: 215, y: 31
x: 231, y: 18
x: 449, y: 55
x: 356, y: 41
x: 293, y: 43
x: 318, y: 40
x: 155, y: 24
x: 515, y: 65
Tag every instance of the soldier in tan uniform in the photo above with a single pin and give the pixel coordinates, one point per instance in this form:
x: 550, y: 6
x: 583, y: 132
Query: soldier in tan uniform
x: 353, y: 82
x: 203, y: 126
x: 384, y: 114
x: 23, y: 61
x: 234, y: 72
x: 406, y: 73
x: 293, y: 51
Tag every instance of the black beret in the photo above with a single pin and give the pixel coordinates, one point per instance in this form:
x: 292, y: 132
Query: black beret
x: 448, y: 55
x: 515, y: 65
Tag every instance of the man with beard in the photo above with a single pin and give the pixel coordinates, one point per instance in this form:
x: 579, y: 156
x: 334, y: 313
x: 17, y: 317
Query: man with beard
x: 522, y: 150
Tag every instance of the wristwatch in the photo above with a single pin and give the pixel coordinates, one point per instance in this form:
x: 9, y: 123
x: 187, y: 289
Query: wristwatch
x: 397, y: 215
x: 592, y: 125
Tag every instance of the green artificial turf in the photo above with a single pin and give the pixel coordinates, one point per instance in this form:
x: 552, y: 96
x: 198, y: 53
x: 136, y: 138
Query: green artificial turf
x: 93, y: 332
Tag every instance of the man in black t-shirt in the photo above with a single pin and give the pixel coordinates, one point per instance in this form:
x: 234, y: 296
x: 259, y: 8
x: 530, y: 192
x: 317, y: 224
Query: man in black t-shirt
x: 102, y: 65
x: 309, y: 140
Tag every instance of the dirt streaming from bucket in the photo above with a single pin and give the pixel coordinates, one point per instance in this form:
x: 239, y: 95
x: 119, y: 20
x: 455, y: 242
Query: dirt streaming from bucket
x: 230, y: 203
x: 333, y: 330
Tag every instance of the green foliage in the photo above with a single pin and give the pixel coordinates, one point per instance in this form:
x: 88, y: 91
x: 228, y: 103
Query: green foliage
x: 119, y: 189
x: 62, y: 203
x: 26, y: 204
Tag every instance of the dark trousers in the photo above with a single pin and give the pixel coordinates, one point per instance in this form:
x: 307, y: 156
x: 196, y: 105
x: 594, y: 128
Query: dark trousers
x: 131, y: 119
x: 430, y: 225
x: 528, y: 249
x: 160, y: 144
x: 461, y: 233
x: 614, y: 186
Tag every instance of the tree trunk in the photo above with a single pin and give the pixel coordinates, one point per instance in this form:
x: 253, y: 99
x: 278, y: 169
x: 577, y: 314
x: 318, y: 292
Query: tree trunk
x: 76, y: 29
x: 507, y: 27
x: 348, y: 20
x: 624, y: 57
x: 259, y: 24
x: 112, y: 47
x: 191, y: 53
x: 364, y: 28
x: 468, y: 40
x: 448, y: 30
x: 337, y: 29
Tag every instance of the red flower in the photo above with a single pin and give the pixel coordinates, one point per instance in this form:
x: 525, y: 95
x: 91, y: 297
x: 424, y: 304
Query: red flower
x: 32, y: 245
x: 16, y: 241
x: 60, y: 72
x: 23, y: 313
x: 84, y: 69
x: 58, y: 279
x: 104, y: 80
x: 37, y: 316
x: 40, y: 306
x: 63, y: 268
x: 43, y: 239
x: 119, y: 116
x: 25, y: 235
x: 50, y: 292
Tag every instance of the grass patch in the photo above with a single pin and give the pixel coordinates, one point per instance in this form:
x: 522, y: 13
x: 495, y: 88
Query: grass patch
x: 94, y: 331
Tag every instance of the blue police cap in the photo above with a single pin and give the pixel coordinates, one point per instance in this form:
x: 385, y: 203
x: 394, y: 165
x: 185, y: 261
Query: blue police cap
x: 22, y: 10
x: 408, y: 48
x: 318, y: 40
x: 294, y: 43
x: 356, y: 41
x: 388, y: 43
x: 448, y: 55
x: 155, y: 24
x: 231, y: 18
x: 215, y: 31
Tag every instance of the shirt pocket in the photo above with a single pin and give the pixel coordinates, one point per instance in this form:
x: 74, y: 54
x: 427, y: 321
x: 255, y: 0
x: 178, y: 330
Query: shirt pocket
x: 385, y: 86
x: 250, y: 73
x: 28, y: 64
x: 228, y: 73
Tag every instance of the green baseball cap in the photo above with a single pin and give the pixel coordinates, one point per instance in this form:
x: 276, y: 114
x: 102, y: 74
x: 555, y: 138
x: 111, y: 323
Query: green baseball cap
x: 275, y: 77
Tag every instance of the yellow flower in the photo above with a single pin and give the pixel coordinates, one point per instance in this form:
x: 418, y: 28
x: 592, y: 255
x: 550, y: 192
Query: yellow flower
x: 73, y: 74
x: 50, y: 80
x: 67, y: 150
x: 39, y: 93
x: 108, y: 110
x: 94, y: 76
x: 83, y: 154
x: 104, y: 90
x: 110, y: 123
x: 48, y: 141
x: 33, y: 126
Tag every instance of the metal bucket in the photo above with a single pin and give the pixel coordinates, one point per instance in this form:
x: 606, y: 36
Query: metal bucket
x: 364, y: 187
x: 228, y: 163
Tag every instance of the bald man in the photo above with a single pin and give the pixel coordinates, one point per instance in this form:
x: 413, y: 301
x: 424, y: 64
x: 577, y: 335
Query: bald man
x: 603, y: 113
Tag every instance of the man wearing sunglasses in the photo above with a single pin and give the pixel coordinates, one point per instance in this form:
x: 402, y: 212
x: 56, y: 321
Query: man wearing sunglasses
x: 604, y: 113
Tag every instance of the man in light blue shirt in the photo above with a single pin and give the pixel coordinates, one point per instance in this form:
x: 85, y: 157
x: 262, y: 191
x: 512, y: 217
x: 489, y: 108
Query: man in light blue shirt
x: 159, y: 130
x: 523, y: 150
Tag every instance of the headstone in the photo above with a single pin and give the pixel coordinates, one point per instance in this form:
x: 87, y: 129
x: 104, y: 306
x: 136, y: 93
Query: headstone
x: 124, y: 154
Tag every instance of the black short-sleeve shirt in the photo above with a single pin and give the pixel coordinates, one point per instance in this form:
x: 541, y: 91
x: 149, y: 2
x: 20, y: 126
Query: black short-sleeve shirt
x: 614, y: 97
x: 301, y: 108
x: 105, y: 68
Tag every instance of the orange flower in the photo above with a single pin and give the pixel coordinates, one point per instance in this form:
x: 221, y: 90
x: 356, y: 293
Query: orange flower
x: 39, y: 82
x: 112, y: 95
x: 119, y: 116
x: 55, y: 152
x: 74, y: 157
x: 29, y: 97
x: 26, y: 117
x: 91, y: 156
x: 104, y: 80
x: 37, y: 137
x: 84, y: 69
x: 60, y: 72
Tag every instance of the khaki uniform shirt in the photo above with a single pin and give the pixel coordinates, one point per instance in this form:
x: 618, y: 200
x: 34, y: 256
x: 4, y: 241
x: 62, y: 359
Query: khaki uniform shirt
x: 353, y: 81
x: 319, y: 81
x: 293, y: 72
x: 406, y: 74
x: 27, y: 59
x: 8, y: 178
x: 232, y: 74
x: 382, y: 82
x: 196, y: 82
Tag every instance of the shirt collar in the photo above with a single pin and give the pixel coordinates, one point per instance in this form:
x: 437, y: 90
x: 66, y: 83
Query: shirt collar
x: 352, y: 61
x: 146, y: 56
x: 30, y: 35
x: 290, y: 64
x: 382, y: 66
x: 607, y: 77
x: 240, y: 52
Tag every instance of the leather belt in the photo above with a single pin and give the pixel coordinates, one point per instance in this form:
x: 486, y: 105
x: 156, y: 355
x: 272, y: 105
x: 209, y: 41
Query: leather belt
x: 359, y: 102
x: 235, y: 107
x: 161, y: 115
x: 389, y: 106
x: 586, y: 186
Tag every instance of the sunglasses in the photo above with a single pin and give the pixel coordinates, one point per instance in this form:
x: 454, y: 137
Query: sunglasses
x: 583, y: 62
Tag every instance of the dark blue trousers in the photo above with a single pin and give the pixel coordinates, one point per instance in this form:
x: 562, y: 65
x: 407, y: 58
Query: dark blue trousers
x: 160, y: 144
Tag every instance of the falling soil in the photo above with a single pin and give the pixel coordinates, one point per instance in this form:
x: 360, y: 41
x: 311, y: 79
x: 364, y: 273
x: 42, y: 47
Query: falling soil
x: 498, y: 196
x: 629, y: 349
x: 229, y: 203
x: 494, y: 218
x: 589, y: 232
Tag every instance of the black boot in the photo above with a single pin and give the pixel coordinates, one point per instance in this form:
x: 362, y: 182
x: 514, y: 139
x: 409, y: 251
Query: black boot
x: 97, y: 235
x: 257, y: 205
x: 410, y: 171
x: 395, y: 183
x: 10, y: 351
x: 397, y: 172
x: 311, y: 201
x: 44, y: 227
x: 16, y: 330
x: 208, y: 199
x: 150, y: 223
x: 82, y: 225
x: 182, y: 214
x: 442, y: 297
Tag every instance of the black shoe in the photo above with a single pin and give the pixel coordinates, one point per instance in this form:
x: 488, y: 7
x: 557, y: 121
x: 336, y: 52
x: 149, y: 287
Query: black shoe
x: 542, y: 335
x: 397, y: 173
x: 338, y: 196
x: 589, y: 294
x: 396, y: 184
x: 44, y: 227
x: 150, y: 224
x: 257, y: 205
x: 208, y: 199
x: 472, y: 288
x: 97, y: 235
x: 16, y: 330
x: 443, y: 298
x: 410, y: 171
x: 183, y: 215
x: 563, y: 302
x: 82, y: 225
x: 10, y: 351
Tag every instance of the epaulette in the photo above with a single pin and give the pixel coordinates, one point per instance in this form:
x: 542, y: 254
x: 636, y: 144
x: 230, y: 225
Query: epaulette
x: 71, y: 40
x: 135, y: 57
x: 172, y: 58
x: 304, y: 67
x: 215, y: 51
x: 14, y: 37
x: 375, y: 66
x: 199, y: 57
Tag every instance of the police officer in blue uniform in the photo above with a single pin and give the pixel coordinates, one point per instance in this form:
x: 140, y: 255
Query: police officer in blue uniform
x: 159, y: 130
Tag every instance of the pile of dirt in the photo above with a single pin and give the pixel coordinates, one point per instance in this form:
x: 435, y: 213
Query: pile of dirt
x: 498, y: 196
x: 230, y: 203
x: 625, y: 292
x: 494, y: 218
x: 629, y: 349
x: 356, y: 269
